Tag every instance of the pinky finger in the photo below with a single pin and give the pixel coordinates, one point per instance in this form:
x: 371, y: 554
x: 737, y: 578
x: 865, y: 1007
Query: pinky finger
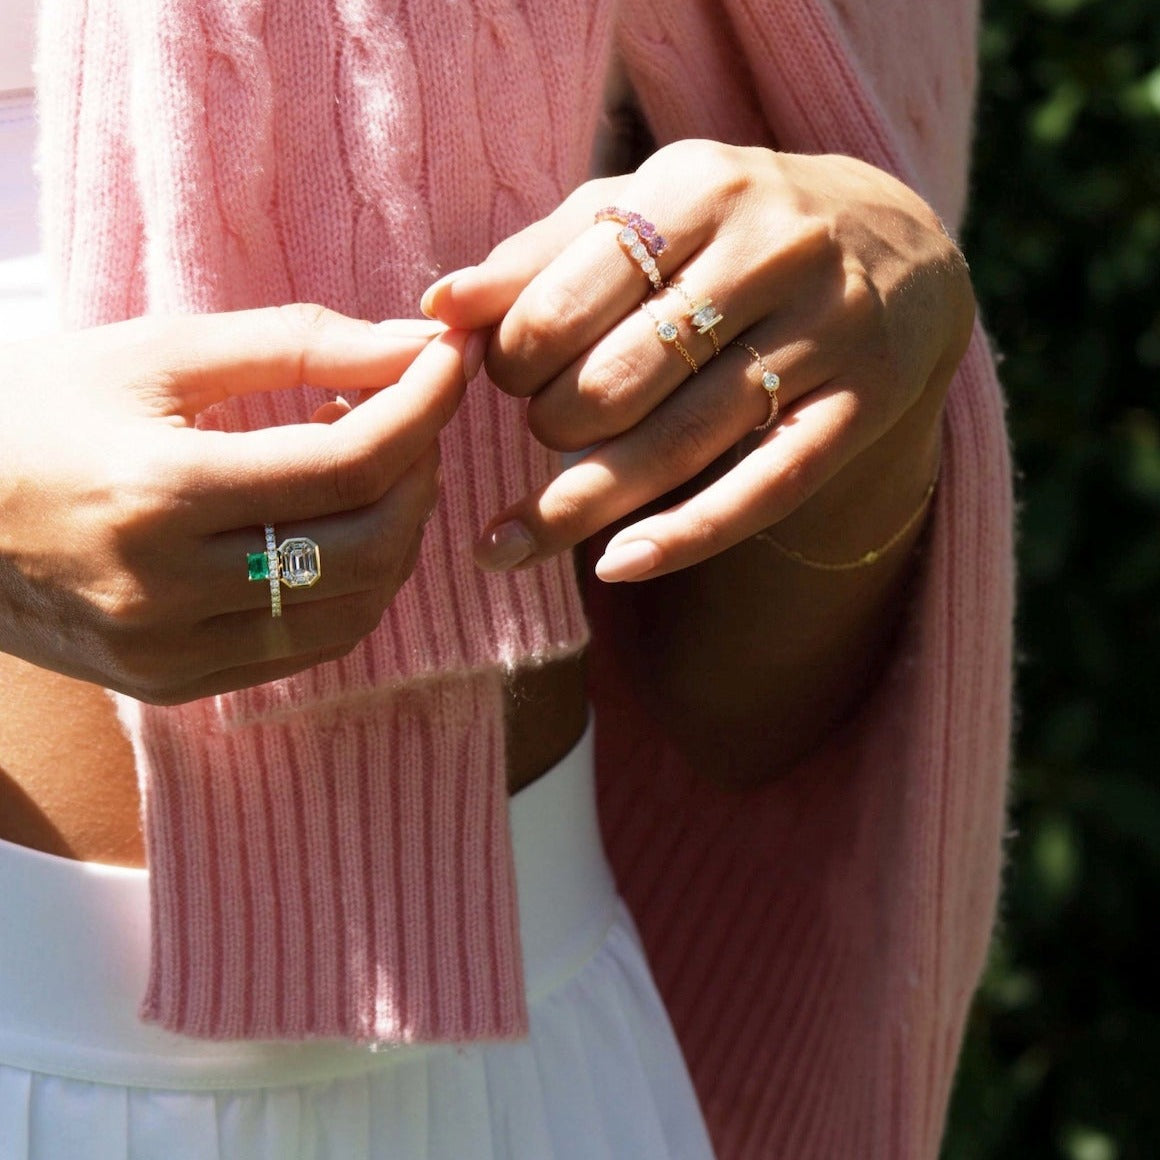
x: 230, y: 680
x: 810, y: 445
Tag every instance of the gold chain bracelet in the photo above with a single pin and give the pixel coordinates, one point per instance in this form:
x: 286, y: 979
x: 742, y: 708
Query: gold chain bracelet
x: 867, y: 558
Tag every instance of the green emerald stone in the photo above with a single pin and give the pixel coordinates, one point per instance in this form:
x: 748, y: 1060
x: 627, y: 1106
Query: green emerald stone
x: 258, y: 564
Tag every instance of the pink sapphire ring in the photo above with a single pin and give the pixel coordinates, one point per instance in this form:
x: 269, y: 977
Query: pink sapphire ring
x: 639, y: 239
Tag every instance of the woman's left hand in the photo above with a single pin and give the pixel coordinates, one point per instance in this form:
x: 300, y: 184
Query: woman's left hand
x: 839, y: 277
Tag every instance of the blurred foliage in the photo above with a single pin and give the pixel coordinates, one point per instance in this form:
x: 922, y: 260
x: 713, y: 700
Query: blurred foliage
x: 1063, y: 1056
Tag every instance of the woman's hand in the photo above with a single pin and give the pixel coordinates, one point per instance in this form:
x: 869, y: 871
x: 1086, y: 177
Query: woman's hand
x: 837, y: 275
x: 124, y: 530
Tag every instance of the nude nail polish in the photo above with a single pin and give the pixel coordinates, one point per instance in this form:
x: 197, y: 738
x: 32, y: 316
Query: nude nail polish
x: 427, y: 302
x: 504, y: 547
x: 628, y: 561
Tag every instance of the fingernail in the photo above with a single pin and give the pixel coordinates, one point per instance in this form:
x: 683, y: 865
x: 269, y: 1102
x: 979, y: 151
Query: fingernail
x: 628, y: 561
x: 473, y: 352
x: 427, y: 302
x: 504, y: 547
x: 410, y: 327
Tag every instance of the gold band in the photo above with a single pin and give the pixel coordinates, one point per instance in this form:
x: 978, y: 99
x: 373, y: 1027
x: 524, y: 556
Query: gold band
x: 702, y: 314
x: 769, y: 383
x: 668, y: 333
x: 867, y: 558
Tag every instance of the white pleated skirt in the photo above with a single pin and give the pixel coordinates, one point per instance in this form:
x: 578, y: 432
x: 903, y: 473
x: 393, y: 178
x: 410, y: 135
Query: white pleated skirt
x: 599, y: 1078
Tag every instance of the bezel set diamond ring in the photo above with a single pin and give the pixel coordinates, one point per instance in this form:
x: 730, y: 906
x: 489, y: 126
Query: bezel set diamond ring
x: 295, y: 563
x: 643, y: 243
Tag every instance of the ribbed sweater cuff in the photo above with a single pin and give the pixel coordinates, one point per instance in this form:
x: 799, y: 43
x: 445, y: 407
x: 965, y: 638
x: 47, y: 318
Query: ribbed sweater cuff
x: 308, y: 881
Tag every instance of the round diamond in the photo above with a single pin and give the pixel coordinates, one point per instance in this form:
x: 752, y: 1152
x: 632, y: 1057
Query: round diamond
x: 770, y: 381
x: 628, y: 236
x: 667, y: 331
x: 648, y: 265
x: 638, y: 252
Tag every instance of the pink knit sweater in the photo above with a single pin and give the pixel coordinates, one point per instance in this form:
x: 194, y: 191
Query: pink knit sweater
x: 329, y: 854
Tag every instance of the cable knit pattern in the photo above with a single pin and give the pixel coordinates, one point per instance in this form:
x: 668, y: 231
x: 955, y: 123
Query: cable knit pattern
x: 331, y: 153
x: 818, y: 940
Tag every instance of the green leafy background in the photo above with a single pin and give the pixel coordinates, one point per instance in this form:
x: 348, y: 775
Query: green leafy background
x: 1062, y: 1059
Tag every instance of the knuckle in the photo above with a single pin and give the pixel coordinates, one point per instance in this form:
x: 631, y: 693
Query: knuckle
x: 607, y: 384
x: 548, y: 426
x: 568, y: 520
x: 304, y: 322
x: 708, y: 532
x: 812, y: 240
x: 599, y: 407
x: 553, y: 308
x: 358, y: 478
x: 720, y: 163
x: 303, y: 318
x: 686, y: 438
x: 861, y: 302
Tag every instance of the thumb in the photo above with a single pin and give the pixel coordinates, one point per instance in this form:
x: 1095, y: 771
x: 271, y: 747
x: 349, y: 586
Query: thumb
x: 307, y: 470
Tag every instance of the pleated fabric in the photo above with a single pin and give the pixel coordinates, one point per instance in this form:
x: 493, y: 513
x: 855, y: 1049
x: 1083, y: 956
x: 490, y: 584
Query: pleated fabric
x: 600, y: 1078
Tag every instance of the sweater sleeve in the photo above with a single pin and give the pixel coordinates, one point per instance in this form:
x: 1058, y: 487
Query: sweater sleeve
x: 819, y: 940
x: 329, y: 853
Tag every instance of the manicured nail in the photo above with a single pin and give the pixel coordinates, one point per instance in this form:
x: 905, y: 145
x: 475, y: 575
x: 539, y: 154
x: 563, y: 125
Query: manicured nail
x: 473, y: 352
x: 504, y: 547
x: 427, y: 302
x: 628, y: 561
x: 410, y: 327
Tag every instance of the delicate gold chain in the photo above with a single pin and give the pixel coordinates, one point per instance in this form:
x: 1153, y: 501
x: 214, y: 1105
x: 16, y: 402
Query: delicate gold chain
x: 667, y: 332
x: 769, y: 384
x: 867, y: 558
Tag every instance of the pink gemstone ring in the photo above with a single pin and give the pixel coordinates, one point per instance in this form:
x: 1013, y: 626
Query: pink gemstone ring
x: 652, y: 241
x: 639, y: 239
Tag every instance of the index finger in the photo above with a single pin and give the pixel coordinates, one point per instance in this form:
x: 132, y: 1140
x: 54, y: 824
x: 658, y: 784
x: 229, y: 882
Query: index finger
x: 203, y: 359
x: 307, y: 470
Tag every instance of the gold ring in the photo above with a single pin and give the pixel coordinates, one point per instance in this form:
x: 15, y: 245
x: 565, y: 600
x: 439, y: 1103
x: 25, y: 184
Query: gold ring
x: 702, y: 314
x: 769, y: 382
x: 669, y: 334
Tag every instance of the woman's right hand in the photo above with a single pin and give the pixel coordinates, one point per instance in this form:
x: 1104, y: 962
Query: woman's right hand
x: 124, y: 529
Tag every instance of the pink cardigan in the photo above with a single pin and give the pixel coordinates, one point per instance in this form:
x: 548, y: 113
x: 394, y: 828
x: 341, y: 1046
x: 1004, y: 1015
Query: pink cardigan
x: 329, y: 854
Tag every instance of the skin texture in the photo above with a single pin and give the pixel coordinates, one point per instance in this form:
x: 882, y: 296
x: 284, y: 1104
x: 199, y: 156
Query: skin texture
x: 110, y: 492
x: 846, y: 283
x: 839, y: 276
x: 104, y: 476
